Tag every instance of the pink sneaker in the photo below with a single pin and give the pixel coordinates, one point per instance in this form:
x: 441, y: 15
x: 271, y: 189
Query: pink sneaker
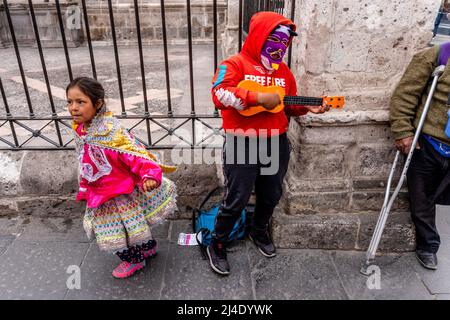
x: 126, y: 269
x: 151, y: 253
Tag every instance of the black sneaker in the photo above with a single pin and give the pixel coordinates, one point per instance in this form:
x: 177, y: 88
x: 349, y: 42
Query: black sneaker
x: 217, y: 255
x: 263, y: 242
x: 427, y: 259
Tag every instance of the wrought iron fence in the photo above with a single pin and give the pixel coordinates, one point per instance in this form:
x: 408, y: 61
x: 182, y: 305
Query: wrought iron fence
x: 251, y: 7
x: 50, y: 130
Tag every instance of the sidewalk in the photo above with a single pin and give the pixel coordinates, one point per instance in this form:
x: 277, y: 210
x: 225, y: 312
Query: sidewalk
x: 35, y: 254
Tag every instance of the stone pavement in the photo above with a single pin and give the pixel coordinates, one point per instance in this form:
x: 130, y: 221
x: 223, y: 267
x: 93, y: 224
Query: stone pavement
x: 35, y: 254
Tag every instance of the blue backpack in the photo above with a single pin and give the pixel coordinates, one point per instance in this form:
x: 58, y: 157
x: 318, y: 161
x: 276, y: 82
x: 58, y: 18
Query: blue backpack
x: 203, y: 223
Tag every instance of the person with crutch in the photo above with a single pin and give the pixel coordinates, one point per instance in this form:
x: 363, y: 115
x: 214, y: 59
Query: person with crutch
x: 428, y: 174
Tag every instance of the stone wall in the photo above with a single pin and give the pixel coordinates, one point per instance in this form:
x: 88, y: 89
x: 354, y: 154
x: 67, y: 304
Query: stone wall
x: 340, y: 161
x: 124, y: 19
x: 46, y: 19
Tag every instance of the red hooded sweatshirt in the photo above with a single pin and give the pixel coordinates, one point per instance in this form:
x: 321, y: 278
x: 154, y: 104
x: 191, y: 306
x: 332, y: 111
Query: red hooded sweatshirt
x: 247, y: 65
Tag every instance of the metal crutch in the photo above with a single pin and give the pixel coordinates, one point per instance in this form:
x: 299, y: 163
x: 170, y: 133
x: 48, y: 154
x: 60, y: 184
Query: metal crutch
x: 376, y: 237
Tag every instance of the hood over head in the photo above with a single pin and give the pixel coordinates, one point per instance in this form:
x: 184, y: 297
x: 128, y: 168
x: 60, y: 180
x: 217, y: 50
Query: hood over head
x: 261, y: 25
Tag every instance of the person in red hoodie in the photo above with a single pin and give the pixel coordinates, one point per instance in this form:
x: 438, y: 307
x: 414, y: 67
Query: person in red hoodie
x: 253, y: 140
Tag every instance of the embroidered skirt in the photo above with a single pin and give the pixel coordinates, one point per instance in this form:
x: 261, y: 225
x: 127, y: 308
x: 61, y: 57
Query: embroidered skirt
x: 126, y: 220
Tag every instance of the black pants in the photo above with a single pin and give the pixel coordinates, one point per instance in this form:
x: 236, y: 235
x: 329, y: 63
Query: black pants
x: 248, y: 163
x: 428, y: 180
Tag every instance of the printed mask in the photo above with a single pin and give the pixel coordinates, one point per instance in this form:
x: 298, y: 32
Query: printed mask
x: 275, y: 47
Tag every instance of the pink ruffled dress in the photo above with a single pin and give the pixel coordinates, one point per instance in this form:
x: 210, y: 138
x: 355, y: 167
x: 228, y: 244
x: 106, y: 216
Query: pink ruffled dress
x: 119, y: 213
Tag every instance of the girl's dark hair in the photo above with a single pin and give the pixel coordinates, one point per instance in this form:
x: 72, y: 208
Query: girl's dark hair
x: 90, y: 87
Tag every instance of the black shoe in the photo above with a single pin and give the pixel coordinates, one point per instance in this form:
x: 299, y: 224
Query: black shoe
x: 217, y: 255
x: 427, y: 259
x: 263, y: 242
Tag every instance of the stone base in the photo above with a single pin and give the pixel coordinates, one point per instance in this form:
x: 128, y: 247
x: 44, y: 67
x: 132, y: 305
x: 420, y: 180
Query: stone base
x: 344, y: 231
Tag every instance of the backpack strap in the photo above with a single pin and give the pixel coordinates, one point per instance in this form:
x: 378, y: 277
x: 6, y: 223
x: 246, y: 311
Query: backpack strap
x: 207, y: 197
x: 204, y: 232
x: 195, y: 211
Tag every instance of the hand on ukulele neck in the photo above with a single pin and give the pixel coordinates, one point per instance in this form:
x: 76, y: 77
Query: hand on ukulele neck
x: 320, y: 109
x: 268, y: 100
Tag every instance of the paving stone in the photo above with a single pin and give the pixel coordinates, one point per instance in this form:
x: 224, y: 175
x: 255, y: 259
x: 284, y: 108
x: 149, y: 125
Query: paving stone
x: 97, y: 282
x: 188, y: 276
x: 38, y: 270
x: 11, y: 226
x: 437, y: 281
x: 397, y: 278
x: 5, y: 241
x: 161, y: 231
x: 295, y: 275
x: 53, y: 229
x: 443, y: 220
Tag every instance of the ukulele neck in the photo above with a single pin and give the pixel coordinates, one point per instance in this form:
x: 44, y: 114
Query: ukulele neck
x: 299, y: 100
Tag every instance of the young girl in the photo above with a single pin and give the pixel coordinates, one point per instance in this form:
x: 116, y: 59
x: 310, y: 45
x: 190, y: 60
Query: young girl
x: 120, y: 180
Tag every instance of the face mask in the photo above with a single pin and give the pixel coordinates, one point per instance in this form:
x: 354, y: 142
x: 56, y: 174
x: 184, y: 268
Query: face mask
x: 275, y: 48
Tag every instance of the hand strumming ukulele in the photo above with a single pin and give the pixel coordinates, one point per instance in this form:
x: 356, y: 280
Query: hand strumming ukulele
x: 334, y: 102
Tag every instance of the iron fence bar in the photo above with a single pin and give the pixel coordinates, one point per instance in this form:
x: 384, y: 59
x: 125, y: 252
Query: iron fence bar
x: 65, y: 146
x: 142, y: 141
x: 36, y: 134
x: 240, y: 27
x: 191, y: 69
x: 8, y: 114
x: 170, y: 131
x: 63, y: 36
x: 205, y: 124
x: 142, y: 120
x: 88, y: 36
x: 89, y: 40
x: 215, y: 32
x: 216, y: 112
x: 116, y: 55
x: 19, y: 60
x: 208, y: 136
x: 141, y: 61
x: 290, y: 47
x: 68, y: 126
x: 8, y: 143
x: 166, y: 58
x: 205, y: 139
x: 44, y: 68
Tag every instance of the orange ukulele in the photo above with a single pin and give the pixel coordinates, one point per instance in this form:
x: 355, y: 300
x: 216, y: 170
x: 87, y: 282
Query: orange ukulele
x: 334, y: 102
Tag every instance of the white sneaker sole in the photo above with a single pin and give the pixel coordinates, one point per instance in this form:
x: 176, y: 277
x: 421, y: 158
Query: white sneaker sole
x: 213, y: 266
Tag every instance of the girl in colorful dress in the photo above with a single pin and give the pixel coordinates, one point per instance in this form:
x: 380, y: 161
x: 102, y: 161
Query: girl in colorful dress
x: 121, y: 181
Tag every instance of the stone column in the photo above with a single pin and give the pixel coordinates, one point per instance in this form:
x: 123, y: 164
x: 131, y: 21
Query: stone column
x: 340, y: 161
x: 230, y: 37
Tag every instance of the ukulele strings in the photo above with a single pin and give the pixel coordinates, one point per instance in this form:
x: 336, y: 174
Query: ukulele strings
x: 298, y: 100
